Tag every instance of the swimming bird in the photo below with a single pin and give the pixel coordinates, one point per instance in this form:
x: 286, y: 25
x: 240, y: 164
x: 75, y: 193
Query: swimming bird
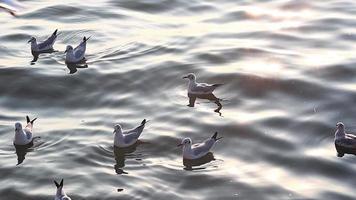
x: 126, y: 138
x: 24, y: 136
x: 43, y: 47
x: 60, y: 194
x: 198, y: 150
x: 77, y: 54
x: 344, y: 142
x: 199, y: 88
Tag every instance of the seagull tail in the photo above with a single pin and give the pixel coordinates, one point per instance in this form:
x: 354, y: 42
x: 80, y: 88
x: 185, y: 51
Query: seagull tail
x: 86, y: 39
x: 215, y: 136
x: 29, y: 120
x: 143, y: 122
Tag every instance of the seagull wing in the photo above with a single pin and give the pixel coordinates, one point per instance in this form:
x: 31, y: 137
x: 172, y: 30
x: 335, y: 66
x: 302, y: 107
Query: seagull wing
x: 79, y: 51
x: 203, y: 148
x: 133, y: 134
x: 351, y: 136
x: 48, y: 44
x: 205, y: 88
x: 28, y: 130
x: 28, y: 127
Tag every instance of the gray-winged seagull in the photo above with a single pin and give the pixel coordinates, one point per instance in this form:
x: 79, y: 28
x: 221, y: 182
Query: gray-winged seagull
x: 199, y: 88
x: 126, y: 138
x: 77, y: 54
x: 60, y: 194
x: 43, y: 47
x: 344, y: 143
x: 24, y: 136
x: 198, y: 150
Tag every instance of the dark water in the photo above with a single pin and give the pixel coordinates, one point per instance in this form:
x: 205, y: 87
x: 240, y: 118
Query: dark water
x: 289, y: 70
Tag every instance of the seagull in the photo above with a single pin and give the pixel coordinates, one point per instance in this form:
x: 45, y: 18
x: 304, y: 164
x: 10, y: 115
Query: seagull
x: 198, y: 150
x: 126, y: 138
x: 77, y: 54
x: 43, y: 47
x: 344, y: 140
x: 199, y: 88
x: 60, y: 194
x: 24, y: 137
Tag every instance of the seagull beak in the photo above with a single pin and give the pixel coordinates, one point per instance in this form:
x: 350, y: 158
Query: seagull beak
x: 179, y: 145
x: 113, y: 132
x: 29, y: 41
x: 185, y: 77
x: 65, y: 51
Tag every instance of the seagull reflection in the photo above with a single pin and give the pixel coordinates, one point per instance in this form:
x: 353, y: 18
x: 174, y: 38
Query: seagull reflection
x: 189, y: 163
x: 120, y: 156
x: 73, y: 68
x: 210, y: 97
x: 21, y: 150
x: 37, y: 54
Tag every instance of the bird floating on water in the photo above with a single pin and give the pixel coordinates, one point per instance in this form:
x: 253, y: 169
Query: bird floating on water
x: 60, y: 194
x: 24, y: 136
x: 198, y: 150
x: 199, y: 88
x: 126, y: 138
x: 76, y: 55
x: 344, y: 142
x: 43, y: 47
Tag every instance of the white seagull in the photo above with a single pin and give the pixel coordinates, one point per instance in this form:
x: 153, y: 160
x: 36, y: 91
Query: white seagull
x: 24, y: 136
x: 342, y: 138
x: 198, y: 150
x: 126, y: 138
x: 45, y: 46
x: 199, y: 88
x: 77, y: 54
x: 60, y: 194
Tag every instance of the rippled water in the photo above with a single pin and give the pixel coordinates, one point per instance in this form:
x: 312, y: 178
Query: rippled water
x: 288, y: 69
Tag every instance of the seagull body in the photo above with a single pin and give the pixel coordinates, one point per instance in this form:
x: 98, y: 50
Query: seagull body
x: 344, y: 140
x: 60, y: 194
x: 77, y: 54
x: 198, y: 150
x: 199, y: 88
x: 24, y: 136
x: 45, y: 46
x: 126, y: 138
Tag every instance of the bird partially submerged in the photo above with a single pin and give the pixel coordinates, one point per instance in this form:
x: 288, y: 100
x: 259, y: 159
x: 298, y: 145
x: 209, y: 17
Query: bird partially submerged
x: 344, y: 143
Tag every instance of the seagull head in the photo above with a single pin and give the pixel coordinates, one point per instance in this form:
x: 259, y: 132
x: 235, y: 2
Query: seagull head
x: 190, y: 77
x: 68, y: 48
x: 117, y: 128
x: 18, y: 126
x: 340, y: 126
x: 185, y: 141
x: 33, y: 39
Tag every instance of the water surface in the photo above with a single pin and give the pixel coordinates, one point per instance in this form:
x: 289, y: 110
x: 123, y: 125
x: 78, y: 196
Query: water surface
x: 289, y: 73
